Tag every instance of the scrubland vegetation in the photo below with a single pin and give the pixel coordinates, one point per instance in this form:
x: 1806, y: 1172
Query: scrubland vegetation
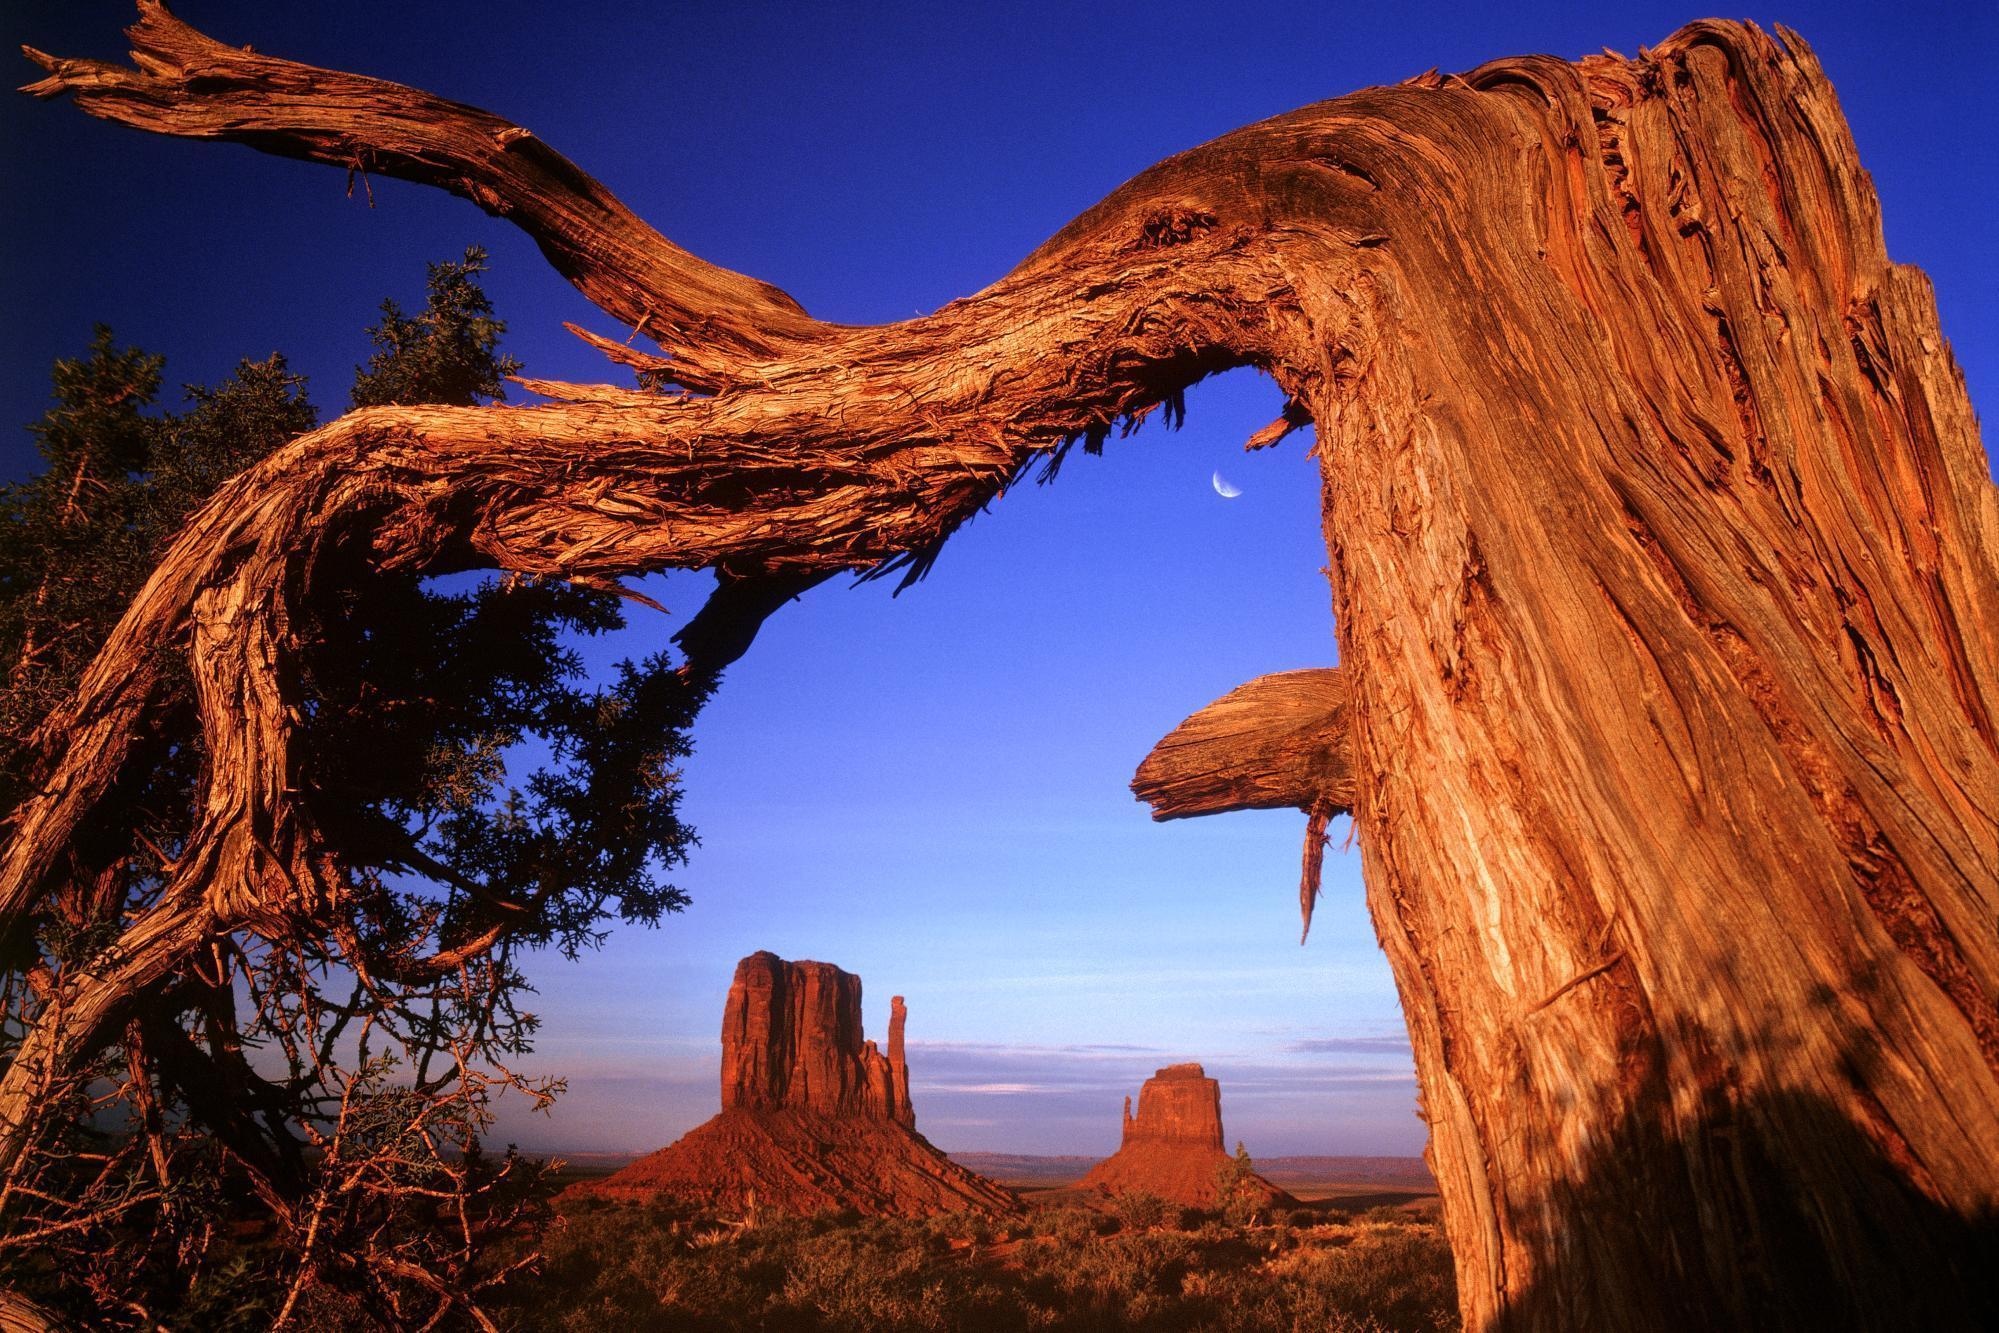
x: 1139, y: 1267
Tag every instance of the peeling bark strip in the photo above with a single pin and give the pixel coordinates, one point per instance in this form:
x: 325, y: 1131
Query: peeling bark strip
x: 1663, y: 556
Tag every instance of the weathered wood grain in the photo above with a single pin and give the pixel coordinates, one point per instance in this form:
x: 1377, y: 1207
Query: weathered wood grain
x: 1277, y: 743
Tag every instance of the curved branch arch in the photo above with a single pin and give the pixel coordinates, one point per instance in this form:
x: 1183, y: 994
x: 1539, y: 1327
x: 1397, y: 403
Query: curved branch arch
x: 1665, y: 563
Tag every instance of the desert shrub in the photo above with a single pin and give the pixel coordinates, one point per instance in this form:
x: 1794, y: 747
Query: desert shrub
x: 1242, y: 1203
x: 619, y: 1268
x: 887, y: 1275
x: 1386, y: 1215
x: 1400, y: 1278
x: 1252, y: 1302
x: 1140, y: 1211
x: 962, y: 1227
x: 851, y: 1280
x: 1305, y: 1217
x: 1073, y: 1226
x: 1134, y: 1277
x: 614, y: 1268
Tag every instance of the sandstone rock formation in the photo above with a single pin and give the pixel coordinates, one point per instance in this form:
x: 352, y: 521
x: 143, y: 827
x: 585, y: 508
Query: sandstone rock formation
x: 813, y: 1115
x: 791, y: 1038
x: 1173, y: 1146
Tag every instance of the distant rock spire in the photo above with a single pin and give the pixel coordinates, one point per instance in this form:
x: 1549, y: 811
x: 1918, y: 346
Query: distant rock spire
x: 791, y: 1039
x: 813, y: 1115
x: 900, y: 1108
x: 1173, y: 1146
x: 1179, y: 1104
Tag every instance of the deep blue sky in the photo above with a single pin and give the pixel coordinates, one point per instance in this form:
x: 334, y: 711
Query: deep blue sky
x: 928, y: 791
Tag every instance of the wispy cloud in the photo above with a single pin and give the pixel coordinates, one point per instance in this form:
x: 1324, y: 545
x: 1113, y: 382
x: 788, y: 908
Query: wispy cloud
x: 1397, y: 1045
x: 1059, y: 1098
x: 1026, y: 1049
x: 1295, y: 1088
x: 1301, y: 1092
x: 1036, y: 1099
x: 1131, y: 984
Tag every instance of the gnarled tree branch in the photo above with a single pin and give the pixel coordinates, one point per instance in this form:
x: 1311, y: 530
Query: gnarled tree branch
x: 851, y: 449
x: 189, y: 85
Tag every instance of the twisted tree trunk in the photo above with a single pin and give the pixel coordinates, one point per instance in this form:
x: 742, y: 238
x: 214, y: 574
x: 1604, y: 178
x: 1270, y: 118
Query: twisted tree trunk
x: 1665, y: 561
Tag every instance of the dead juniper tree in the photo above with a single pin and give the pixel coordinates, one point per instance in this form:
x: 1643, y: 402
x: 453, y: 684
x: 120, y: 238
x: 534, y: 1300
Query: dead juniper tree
x: 1663, y: 559
x: 286, y: 1125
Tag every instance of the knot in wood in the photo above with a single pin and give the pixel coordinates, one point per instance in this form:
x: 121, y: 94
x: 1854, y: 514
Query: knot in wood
x: 1174, y: 226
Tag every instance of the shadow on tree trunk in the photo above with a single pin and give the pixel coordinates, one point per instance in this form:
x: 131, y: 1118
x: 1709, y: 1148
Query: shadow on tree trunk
x: 1810, y: 1225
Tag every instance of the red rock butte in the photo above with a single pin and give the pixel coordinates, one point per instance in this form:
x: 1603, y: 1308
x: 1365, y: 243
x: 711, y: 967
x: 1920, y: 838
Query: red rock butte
x: 814, y: 1116
x: 1173, y: 1146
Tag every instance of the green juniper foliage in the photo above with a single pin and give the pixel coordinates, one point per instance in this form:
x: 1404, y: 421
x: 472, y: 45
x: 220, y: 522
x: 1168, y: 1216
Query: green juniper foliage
x: 71, y: 541
x: 287, y: 1124
x: 1235, y: 1189
x: 447, y: 354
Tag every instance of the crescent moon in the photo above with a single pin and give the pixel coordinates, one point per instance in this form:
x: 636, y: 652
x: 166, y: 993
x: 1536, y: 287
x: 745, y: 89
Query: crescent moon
x: 1225, y: 489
